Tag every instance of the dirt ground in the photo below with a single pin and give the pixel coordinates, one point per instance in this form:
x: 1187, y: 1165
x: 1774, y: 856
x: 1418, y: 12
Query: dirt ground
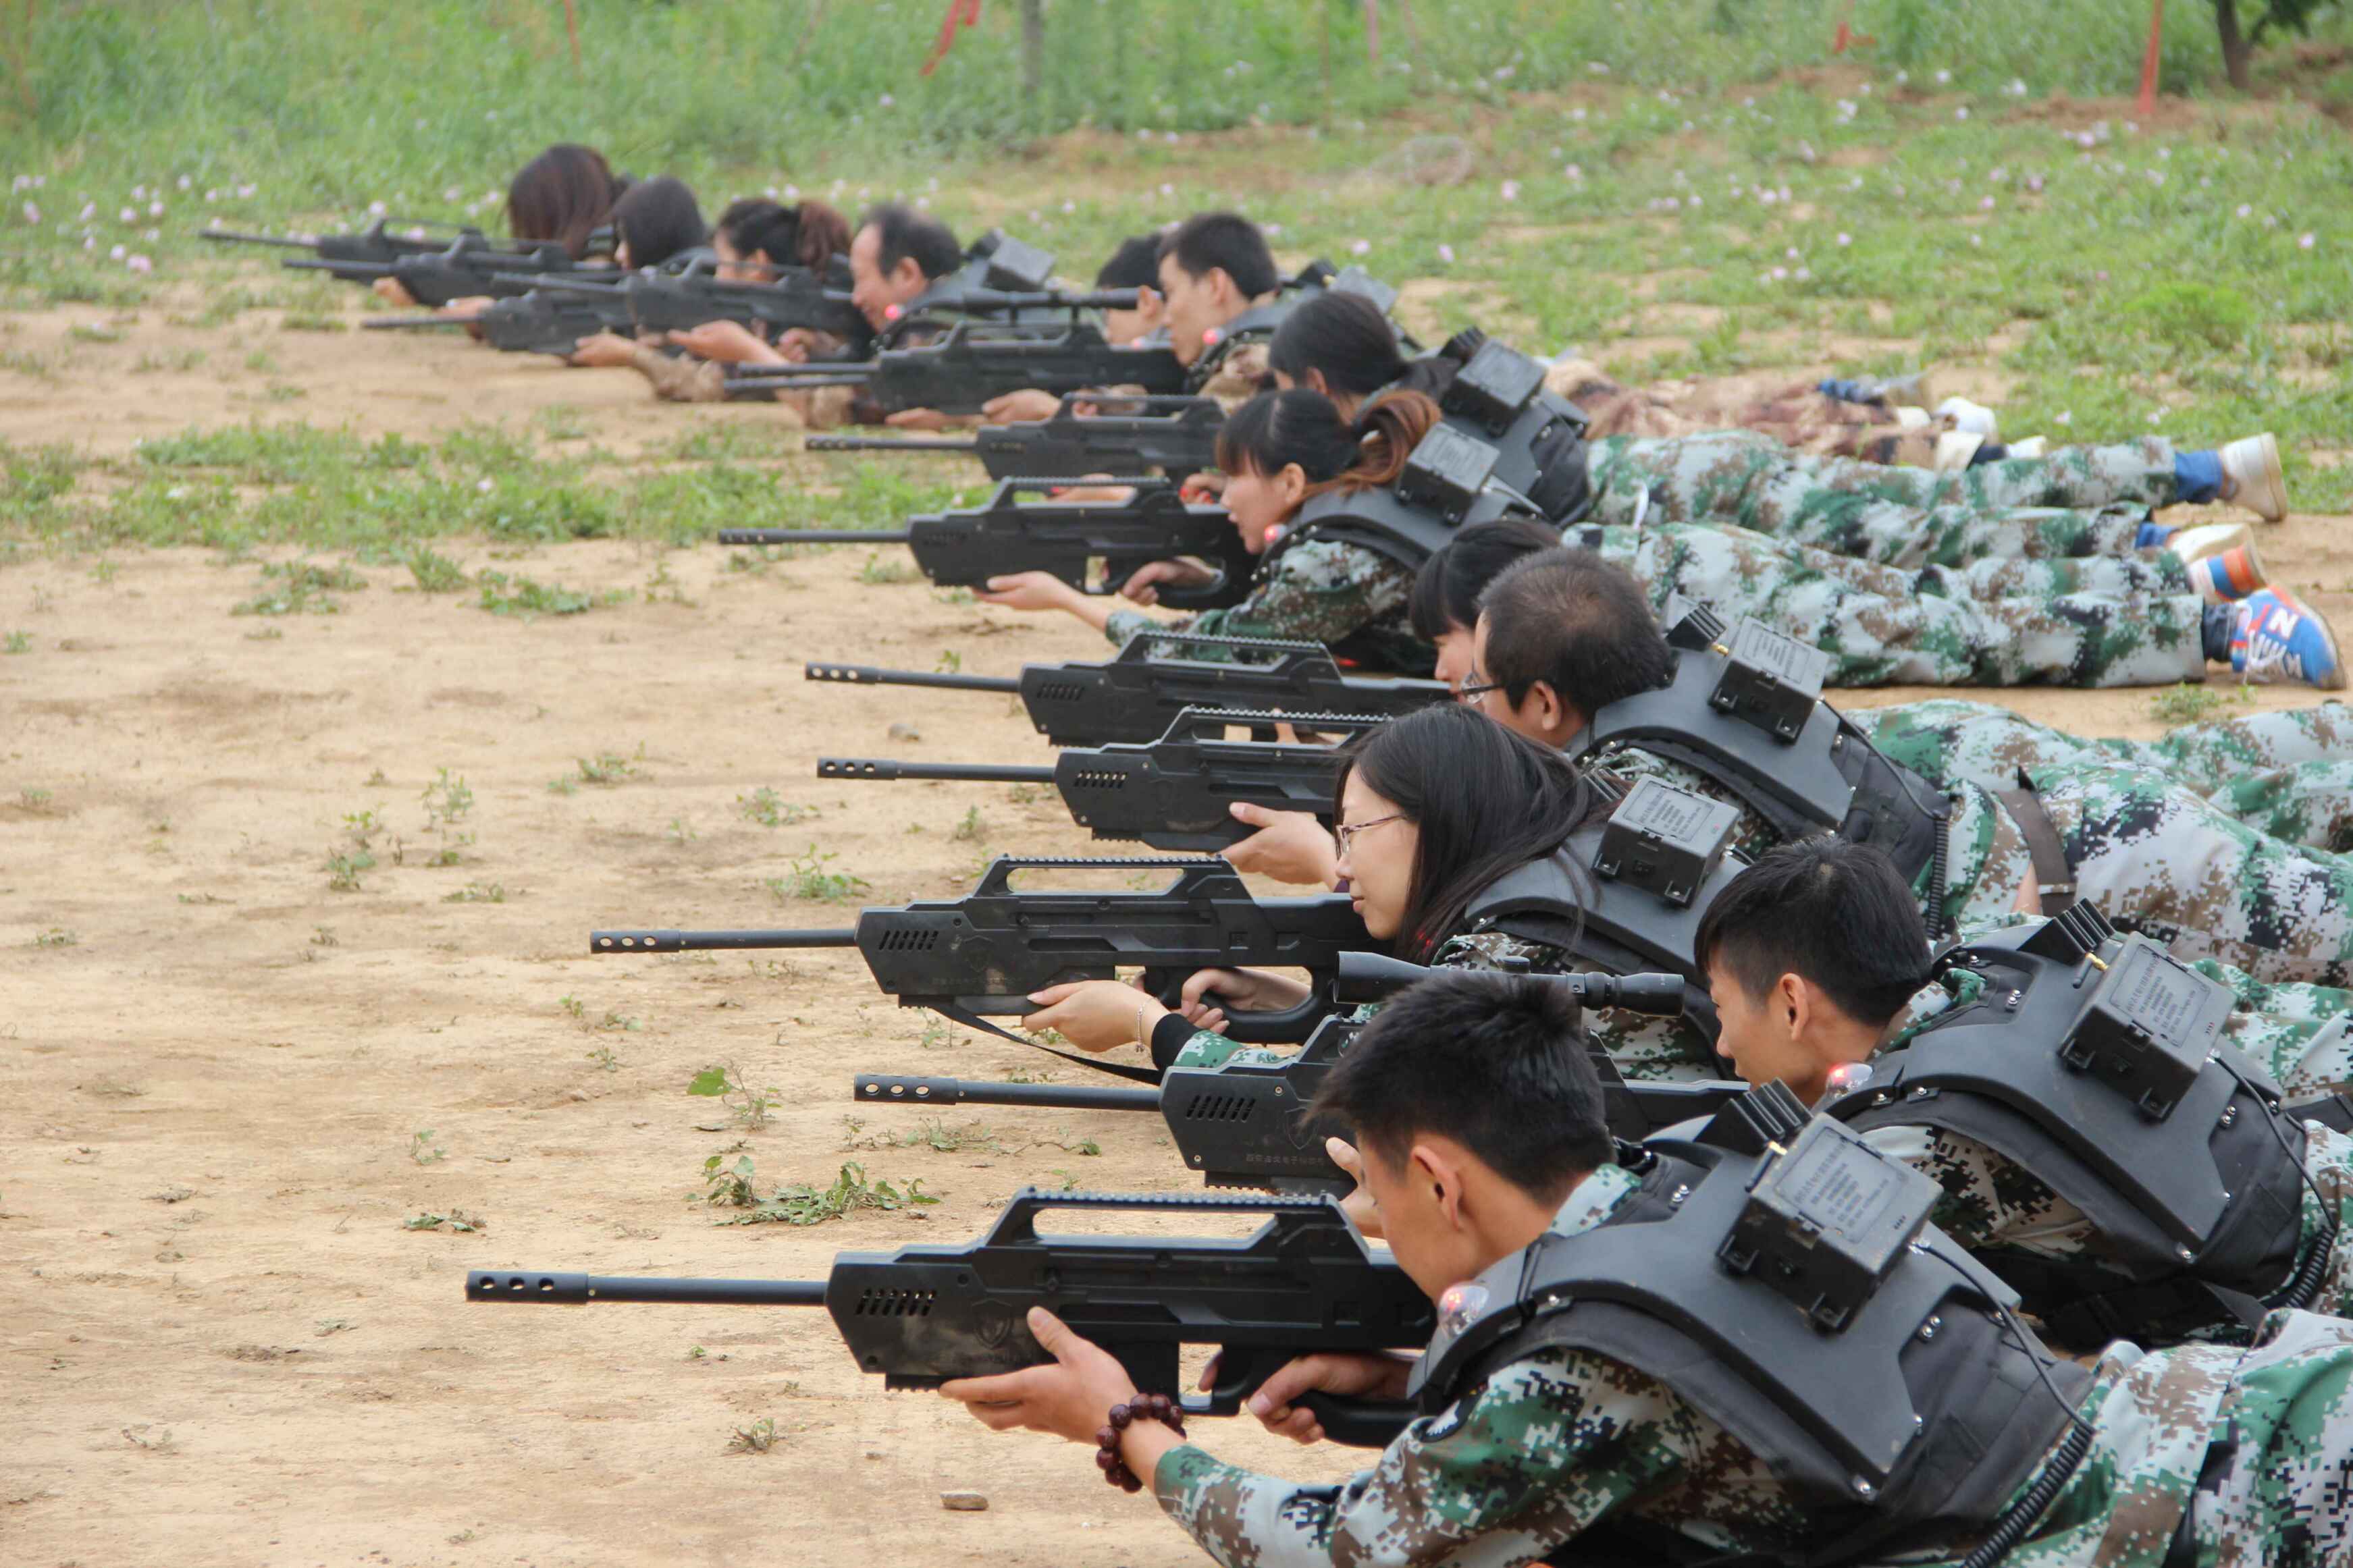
x: 219, y: 1342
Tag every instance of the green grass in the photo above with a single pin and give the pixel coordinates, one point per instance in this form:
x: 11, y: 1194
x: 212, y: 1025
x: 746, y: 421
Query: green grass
x: 2115, y: 283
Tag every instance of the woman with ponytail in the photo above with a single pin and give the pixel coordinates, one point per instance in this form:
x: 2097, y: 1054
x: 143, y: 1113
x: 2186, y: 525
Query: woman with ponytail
x: 1279, y: 451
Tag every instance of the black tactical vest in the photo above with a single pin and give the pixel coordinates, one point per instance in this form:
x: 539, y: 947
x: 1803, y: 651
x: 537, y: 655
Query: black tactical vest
x: 1625, y: 895
x: 2096, y: 1063
x: 1445, y: 486
x: 1782, y: 1294
x: 1744, y: 709
x: 1493, y: 392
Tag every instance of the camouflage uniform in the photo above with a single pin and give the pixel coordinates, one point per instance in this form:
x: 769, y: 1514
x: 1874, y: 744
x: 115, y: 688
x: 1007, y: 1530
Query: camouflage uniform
x: 2145, y: 851
x: 1320, y: 591
x: 2100, y: 621
x: 2288, y: 773
x: 1992, y: 1205
x: 1557, y: 1441
x: 1798, y: 415
x: 2085, y: 501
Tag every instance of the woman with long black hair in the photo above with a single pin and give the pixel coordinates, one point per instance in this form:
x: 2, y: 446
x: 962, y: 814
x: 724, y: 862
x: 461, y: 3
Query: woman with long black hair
x: 1430, y: 811
x: 1279, y: 451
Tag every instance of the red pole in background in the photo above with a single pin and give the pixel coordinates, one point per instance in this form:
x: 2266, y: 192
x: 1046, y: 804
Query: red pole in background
x: 572, y: 27
x: 2148, y: 61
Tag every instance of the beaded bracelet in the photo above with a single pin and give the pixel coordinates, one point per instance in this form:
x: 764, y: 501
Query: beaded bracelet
x: 1143, y: 1407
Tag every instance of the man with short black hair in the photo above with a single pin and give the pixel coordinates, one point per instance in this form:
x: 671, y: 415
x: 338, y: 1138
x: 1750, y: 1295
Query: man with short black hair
x: 1219, y: 284
x: 1484, y: 1147
x: 1561, y: 638
x: 1813, y: 956
x: 897, y: 256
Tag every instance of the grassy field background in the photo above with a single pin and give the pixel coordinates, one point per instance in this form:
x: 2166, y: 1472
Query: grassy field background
x: 1693, y: 187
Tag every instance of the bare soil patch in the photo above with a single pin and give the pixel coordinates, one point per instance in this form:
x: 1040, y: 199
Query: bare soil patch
x: 221, y: 1344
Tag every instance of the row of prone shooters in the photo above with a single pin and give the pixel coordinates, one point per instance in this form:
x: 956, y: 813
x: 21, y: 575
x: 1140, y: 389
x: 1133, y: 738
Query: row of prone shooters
x: 997, y: 325
x: 2099, y: 1043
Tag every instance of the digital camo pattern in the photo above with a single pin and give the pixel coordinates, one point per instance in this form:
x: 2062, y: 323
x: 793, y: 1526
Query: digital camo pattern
x: 1898, y: 516
x: 1796, y: 415
x: 2098, y: 621
x: 1324, y: 591
x: 2151, y: 854
x: 2187, y: 872
x: 1557, y: 1441
x: 2288, y: 773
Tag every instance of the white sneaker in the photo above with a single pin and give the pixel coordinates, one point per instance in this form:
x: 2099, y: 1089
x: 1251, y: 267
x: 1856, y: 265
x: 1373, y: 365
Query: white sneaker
x: 2252, y: 476
x: 1974, y: 418
x: 1954, y: 451
x: 2032, y: 447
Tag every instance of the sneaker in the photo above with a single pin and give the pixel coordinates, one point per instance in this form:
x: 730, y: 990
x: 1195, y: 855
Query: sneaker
x: 2275, y: 636
x: 2252, y: 476
x: 1956, y: 449
x: 2228, y: 577
x: 2032, y: 447
x: 2206, y: 540
x: 1974, y: 418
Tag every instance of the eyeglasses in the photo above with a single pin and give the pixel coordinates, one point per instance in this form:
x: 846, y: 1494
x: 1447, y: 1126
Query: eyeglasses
x: 1345, y: 835
x: 1473, y: 688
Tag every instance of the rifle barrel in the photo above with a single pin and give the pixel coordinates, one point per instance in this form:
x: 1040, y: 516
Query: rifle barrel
x: 813, y: 536
x: 573, y: 1289
x: 348, y: 269
x: 701, y: 940
x: 867, y: 675
x: 883, y: 770
x: 230, y: 236
x: 399, y: 323
x: 878, y: 444
x: 893, y: 1089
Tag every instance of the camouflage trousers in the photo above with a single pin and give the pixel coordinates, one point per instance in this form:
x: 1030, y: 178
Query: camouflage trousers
x: 2080, y: 501
x: 1797, y: 413
x: 2172, y: 864
x: 2288, y: 774
x: 2099, y: 621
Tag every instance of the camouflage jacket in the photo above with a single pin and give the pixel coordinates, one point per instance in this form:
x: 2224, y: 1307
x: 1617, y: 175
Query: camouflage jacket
x: 1342, y: 595
x: 1552, y: 1444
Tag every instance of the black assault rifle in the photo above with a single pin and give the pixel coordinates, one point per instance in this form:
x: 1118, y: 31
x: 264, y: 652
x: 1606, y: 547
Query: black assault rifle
x: 538, y: 322
x: 1180, y: 439
x: 1138, y: 695
x: 1169, y: 794
x: 377, y: 242
x: 973, y: 364
x: 663, y: 302
x: 471, y: 267
x: 1243, y: 1124
x: 1093, y: 545
x: 919, y: 1316
x: 981, y: 955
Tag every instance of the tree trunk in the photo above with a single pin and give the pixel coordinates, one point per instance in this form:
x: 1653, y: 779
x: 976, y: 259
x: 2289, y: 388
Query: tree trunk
x: 1033, y: 51
x: 2236, y: 50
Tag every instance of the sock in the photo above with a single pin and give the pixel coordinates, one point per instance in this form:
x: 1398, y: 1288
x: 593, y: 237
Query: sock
x: 1988, y: 452
x: 2198, y: 476
x: 2151, y: 535
x: 2214, y: 632
x: 1845, y: 391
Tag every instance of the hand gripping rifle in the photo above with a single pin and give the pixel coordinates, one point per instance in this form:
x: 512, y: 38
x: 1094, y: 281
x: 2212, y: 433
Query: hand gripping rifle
x: 919, y: 1316
x: 1244, y: 1123
x: 973, y: 364
x: 538, y: 322
x: 1168, y: 793
x: 1179, y: 439
x: 1138, y: 694
x: 376, y: 243
x: 664, y: 302
x: 981, y: 955
x: 471, y: 266
x: 1093, y: 545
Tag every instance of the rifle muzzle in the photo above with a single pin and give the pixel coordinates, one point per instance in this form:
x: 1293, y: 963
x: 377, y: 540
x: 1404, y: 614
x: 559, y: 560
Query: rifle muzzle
x: 881, y: 770
x: 610, y: 942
